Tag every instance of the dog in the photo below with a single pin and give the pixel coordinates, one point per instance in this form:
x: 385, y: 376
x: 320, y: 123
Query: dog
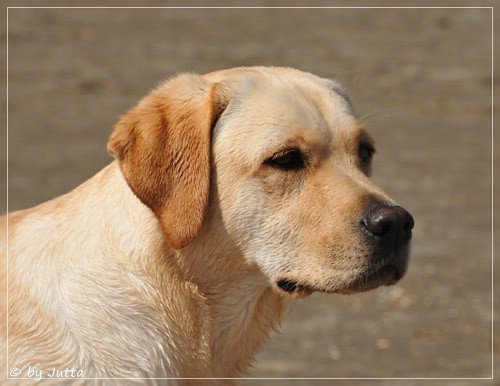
x: 231, y: 195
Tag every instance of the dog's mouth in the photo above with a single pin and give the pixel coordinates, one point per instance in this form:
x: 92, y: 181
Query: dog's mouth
x: 292, y: 287
x: 385, y: 276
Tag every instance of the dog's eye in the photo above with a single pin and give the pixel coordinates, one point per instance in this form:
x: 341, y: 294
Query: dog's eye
x: 290, y: 159
x: 365, y: 153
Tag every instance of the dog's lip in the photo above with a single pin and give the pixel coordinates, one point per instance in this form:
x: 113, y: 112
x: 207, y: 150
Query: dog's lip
x: 386, y: 275
x: 293, y: 287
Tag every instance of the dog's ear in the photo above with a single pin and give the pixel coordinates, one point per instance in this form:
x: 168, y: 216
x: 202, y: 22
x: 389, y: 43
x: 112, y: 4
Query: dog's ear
x: 163, y: 149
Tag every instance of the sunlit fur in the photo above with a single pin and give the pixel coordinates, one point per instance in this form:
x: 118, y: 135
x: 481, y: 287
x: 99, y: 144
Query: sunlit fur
x: 165, y: 263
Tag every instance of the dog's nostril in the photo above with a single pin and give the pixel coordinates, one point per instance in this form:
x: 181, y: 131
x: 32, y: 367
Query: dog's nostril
x: 377, y: 224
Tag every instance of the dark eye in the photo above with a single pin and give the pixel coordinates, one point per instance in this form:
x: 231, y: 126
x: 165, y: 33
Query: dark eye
x: 290, y: 159
x: 365, y: 154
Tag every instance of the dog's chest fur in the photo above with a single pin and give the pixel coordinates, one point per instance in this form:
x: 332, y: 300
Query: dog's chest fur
x: 146, y: 314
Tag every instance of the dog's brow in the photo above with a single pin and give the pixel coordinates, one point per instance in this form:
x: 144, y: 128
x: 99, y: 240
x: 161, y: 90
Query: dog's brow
x: 337, y: 89
x: 366, y: 139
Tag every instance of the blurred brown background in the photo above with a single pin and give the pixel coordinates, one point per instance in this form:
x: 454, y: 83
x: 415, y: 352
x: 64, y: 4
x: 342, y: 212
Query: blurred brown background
x: 421, y: 78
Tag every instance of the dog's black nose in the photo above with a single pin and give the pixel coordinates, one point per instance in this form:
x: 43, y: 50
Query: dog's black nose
x: 391, y: 225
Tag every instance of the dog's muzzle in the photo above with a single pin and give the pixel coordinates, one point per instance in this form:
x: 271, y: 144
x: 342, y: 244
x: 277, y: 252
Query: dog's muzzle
x: 388, y: 231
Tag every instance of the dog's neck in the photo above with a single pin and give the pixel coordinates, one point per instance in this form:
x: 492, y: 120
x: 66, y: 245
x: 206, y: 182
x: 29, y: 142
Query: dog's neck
x: 244, y: 309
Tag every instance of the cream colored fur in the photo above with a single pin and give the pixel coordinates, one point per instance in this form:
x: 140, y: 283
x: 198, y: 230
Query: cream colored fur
x: 115, y: 280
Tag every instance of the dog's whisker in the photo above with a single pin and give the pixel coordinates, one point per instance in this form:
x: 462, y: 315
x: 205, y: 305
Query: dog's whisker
x: 375, y: 115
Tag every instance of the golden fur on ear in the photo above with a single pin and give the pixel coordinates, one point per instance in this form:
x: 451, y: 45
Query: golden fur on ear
x: 163, y: 148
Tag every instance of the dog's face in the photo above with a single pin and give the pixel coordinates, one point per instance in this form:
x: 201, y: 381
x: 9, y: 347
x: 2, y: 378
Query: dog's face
x: 292, y: 168
x: 290, y: 179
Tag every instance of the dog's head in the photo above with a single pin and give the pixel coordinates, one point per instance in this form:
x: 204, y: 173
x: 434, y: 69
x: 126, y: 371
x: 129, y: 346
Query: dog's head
x: 289, y: 165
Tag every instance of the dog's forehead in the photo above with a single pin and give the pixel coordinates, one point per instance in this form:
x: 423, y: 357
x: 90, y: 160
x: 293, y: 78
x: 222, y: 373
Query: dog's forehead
x: 290, y: 100
x: 245, y: 77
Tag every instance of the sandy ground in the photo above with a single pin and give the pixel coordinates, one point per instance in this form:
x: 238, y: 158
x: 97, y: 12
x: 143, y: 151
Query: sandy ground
x: 420, y: 77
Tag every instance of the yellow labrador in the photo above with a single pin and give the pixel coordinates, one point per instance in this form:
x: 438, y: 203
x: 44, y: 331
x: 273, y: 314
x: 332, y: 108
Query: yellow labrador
x: 232, y: 194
